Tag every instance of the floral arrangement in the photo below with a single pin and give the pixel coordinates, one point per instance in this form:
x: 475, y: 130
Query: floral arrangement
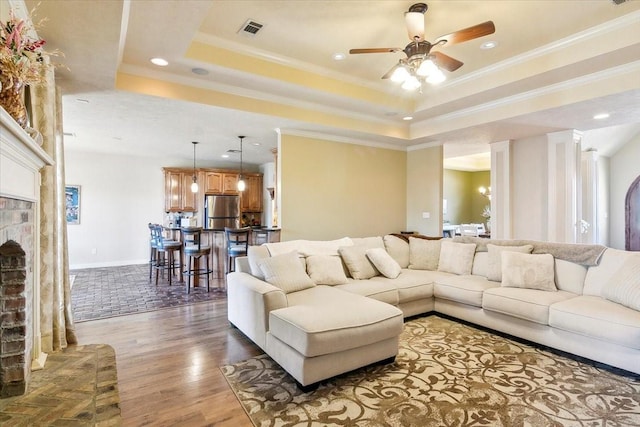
x: 486, y: 212
x: 21, y: 56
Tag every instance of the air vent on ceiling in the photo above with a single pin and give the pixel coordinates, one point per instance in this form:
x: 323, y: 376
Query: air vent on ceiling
x: 618, y: 1
x: 250, y: 28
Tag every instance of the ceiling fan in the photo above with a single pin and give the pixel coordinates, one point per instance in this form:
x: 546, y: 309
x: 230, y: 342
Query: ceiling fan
x: 421, y: 64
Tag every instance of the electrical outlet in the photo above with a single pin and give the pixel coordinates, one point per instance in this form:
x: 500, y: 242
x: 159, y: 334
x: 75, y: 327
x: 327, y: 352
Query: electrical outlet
x: 426, y: 215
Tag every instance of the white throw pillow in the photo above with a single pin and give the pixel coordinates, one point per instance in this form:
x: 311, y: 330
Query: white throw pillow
x: 456, y: 258
x: 398, y: 249
x: 285, y: 272
x: 326, y: 270
x: 256, y: 253
x: 359, y: 266
x: 494, y: 264
x: 424, y: 254
x: 624, y: 286
x: 383, y: 262
x: 528, y: 271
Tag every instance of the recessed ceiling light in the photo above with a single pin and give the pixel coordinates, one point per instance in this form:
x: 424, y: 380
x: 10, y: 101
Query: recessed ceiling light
x: 489, y: 44
x: 159, y: 62
x: 601, y: 116
x: 256, y: 144
x: 199, y: 71
x: 407, y: 118
x: 225, y: 156
x: 338, y: 56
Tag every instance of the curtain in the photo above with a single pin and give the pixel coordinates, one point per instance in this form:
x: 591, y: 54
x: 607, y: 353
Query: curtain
x: 56, y: 319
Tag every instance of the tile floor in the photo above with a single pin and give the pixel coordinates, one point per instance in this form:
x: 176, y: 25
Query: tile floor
x: 99, y: 293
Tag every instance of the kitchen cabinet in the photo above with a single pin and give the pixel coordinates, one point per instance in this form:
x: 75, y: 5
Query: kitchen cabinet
x: 251, y: 197
x: 221, y: 183
x: 177, y: 191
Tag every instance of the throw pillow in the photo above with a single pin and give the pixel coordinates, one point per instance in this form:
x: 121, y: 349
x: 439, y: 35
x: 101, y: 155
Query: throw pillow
x: 383, y: 262
x: 285, y: 272
x: 528, y: 271
x: 359, y: 266
x: 424, y: 254
x: 456, y: 258
x: 256, y: 253
x: 326, y: 270
x: 624, y: 285
x: 398, y: 249
x: 494, y: 263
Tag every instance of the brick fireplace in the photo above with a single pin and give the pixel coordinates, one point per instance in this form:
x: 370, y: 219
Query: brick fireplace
x: 20, y: 339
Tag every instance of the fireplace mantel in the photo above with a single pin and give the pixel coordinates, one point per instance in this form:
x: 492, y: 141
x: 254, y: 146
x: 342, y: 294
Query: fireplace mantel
x: 21, y: 160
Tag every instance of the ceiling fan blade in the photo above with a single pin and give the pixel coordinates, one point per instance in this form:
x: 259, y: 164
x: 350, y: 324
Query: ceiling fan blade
x: 447, y: 62
x: 376, y: 50
x: 467, y: 34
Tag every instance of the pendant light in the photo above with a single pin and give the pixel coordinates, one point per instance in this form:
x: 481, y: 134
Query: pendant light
x: 241, y: 183
x: 194, y: 184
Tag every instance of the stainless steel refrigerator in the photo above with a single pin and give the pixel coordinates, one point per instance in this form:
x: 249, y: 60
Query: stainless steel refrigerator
x: 222, y: 211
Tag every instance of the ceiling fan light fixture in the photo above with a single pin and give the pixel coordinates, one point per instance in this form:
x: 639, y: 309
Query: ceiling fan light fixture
x: 400, y: 74
x: 436, y: 77
x: 411, y: 83
x: 427, y: 68
x: 415, y: 25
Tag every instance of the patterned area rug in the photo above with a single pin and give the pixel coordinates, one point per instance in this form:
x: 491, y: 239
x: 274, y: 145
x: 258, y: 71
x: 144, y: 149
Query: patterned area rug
x: 100, y: 293
x: 77, y: 387
x: 446, y: 374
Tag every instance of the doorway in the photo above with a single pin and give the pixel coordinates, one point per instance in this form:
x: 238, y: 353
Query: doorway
x: 632, y: 217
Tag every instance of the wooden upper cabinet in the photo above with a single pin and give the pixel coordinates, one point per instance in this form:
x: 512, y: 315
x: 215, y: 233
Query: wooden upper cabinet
x: 251, y: 198
x: 213, y: 182
x: 230, y: 183
x: 177, y: 191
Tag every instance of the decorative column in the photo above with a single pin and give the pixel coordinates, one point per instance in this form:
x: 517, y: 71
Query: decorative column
x: 563, y: 160
x: 501, y: 190
x: 588, y: 225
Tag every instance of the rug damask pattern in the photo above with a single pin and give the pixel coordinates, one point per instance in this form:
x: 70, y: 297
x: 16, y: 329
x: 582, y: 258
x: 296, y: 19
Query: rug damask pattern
x: 446, y: 374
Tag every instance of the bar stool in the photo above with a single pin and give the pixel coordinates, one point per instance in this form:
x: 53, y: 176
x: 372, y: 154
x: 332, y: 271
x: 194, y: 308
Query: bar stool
x: 153, y: 250
x: 237, y: 245
x: 193, y: 250
x: 164, y: 252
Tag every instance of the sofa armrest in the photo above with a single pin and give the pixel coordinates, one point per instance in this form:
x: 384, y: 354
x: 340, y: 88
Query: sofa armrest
x: 249, y: 302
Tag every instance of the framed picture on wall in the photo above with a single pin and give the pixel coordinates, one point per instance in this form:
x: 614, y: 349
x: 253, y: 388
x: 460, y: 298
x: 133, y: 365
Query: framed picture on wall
x: 72, y: 197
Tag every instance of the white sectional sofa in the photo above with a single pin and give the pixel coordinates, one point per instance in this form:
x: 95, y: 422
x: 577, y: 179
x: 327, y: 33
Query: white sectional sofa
x: 321, y: 308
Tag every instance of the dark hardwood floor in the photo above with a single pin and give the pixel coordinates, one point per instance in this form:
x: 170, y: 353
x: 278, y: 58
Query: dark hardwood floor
x: 168, y: 364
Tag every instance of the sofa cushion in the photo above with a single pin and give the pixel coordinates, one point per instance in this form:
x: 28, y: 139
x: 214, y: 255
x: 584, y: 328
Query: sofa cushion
x: 463, y: 289
x: 398, y: 249
x: 413, y: 285
x: 480, y: 264
x: 359, y: 266
x: 285, y: 272
x: 598, y: 318
x: 528, y: 271
x: 624, y: 286
x: 527, y: 304
x: 326, y: 270
x: 325, y: 320
x: 255, y: 253
x: 456, y: 258
x: 368, y: 242
x: 569, y: 276
x: 375, y: 288
x: 308, y: 247
x: 598, y: 276
x: 494, y: 266
x: 424, y: 254
x: 383, y: 262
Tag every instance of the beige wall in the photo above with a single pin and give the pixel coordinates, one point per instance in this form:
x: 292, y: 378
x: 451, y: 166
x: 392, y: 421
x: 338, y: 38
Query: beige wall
x: 464, y: 202
x: 333, y: 189
x: 424, y: 190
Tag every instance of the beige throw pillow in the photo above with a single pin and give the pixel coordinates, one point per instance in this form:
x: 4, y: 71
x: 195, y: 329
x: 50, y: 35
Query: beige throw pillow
x: 456, y: 258
x: 624, y: 285
x: 285, y: 272
x: 383, y: 262
x: 528, y: 271
x: 424, y: 254
x: 326, y: 270
x: 494, y: 263
x: 359, y: 266
x: 256, y: 253
x: 398, y: 249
